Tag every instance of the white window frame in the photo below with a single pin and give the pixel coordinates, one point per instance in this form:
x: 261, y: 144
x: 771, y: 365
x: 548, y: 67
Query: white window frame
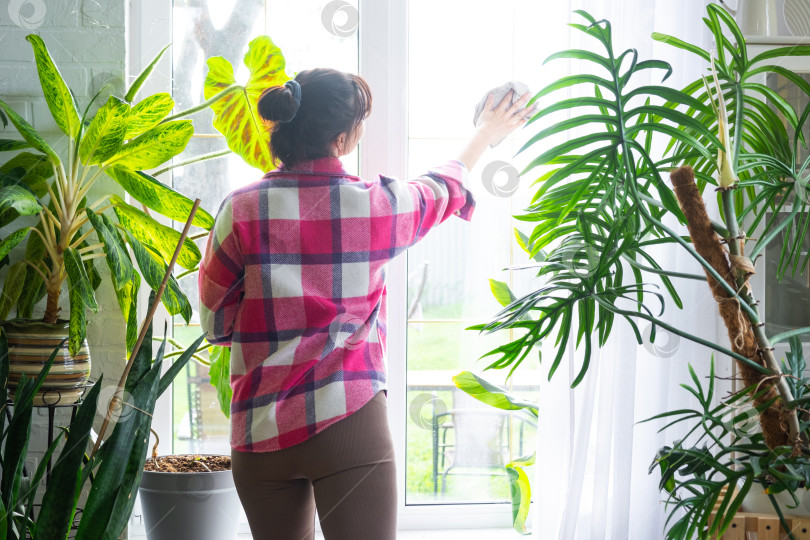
x: 383, y: 50
x: 383, y: 62
x: 149, y: 29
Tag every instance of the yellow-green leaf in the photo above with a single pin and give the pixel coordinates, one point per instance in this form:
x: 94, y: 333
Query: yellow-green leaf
x: 154, y: 147
x: 9, y: 145
x: 159, y: 197
x: 34, y: 170
x: 29, y: 133
x: 153, y: 233
x: 106, y: 132
x: 220, y: 376
x: 148, y: 113
x: 114, y: 249
x: 57, y: 95
x: 12, y: 288
x: 16, y: 201
x: 236, y: 115
x: 78, y: 279
x: 133, y: 90
x: 521, y: 492
x: 12, y: 240
x: 153, y: 267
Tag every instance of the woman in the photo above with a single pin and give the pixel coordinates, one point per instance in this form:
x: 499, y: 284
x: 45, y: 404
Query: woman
x: 294, y: 280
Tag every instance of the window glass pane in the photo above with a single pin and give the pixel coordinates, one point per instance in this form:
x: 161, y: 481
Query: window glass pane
x: 457, y: 446
x: 787, y: 301
x: 787, y: 293
x: 203, y: 29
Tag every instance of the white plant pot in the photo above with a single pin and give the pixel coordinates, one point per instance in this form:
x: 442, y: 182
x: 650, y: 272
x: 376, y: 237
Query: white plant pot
x: 757, y: 501
x: 189, y: 506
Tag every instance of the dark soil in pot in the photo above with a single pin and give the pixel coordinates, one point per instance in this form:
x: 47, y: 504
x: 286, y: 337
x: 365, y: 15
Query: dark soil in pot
x: 188, y: 463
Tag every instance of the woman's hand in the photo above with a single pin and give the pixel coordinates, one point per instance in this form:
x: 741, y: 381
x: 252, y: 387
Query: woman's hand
x: 497, y: 123
x: 494, y: 125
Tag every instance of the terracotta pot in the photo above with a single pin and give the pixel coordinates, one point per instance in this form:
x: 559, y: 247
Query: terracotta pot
x: 30, y: 344
x: 189, y: 505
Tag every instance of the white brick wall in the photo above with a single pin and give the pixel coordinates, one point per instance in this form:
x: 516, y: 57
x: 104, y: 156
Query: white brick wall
x: 86, y: 39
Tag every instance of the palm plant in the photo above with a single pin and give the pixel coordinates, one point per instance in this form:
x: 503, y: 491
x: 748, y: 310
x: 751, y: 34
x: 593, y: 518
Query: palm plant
x: 602, y: 202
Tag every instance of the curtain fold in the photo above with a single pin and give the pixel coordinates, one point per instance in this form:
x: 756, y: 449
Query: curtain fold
x: 592, y: 480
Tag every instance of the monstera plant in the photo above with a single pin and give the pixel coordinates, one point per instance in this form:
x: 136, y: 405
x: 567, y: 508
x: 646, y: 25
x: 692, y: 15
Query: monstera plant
x: 600, y: 209
x: 70, y: 226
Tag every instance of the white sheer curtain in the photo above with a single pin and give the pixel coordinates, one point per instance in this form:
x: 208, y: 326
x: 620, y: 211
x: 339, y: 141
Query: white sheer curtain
x: 592, y: 478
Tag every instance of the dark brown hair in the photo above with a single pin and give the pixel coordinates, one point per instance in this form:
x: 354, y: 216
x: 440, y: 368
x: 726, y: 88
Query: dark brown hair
x: 331, y: 103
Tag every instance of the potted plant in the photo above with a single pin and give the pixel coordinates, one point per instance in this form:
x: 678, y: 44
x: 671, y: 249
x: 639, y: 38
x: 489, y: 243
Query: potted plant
x: 192, y: 495
x: 114, y: 466
x: 72, y: 227
x: 600, y: 207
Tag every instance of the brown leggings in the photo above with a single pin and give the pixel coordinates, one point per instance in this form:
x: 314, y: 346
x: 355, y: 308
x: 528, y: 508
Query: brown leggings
x: 347, y: 471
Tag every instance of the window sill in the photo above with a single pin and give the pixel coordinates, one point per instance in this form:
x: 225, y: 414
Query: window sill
x: 447, y: 534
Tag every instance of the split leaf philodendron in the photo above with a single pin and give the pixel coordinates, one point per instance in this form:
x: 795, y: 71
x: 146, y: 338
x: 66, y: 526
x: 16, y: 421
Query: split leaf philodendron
x: 601, y: 207
x: 236, y: 115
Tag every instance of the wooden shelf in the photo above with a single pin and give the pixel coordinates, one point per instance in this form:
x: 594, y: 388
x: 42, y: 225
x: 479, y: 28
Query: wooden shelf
x: 749, y: 526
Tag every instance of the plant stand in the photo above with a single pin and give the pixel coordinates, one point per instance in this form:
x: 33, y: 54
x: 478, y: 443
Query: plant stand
x: 750, y: 526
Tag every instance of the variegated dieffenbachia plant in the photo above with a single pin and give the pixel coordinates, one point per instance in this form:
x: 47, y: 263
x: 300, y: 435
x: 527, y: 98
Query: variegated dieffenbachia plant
x: 124, y: 139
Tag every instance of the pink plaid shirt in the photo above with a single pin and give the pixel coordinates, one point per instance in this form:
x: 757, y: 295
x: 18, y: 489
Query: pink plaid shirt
x: 293, y: 279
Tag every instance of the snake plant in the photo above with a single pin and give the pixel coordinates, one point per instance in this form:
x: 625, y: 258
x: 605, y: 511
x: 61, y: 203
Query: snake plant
x: 602, y: 203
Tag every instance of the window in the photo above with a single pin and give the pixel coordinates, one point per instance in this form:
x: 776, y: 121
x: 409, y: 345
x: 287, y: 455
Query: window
x: 428, y: 63
x: 787, y: 296
x: 223, y: 28
x: 457, y: 446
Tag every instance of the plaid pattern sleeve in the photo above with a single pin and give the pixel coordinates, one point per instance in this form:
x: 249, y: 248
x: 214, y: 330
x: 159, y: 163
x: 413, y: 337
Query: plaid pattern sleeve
x: 294, y: 279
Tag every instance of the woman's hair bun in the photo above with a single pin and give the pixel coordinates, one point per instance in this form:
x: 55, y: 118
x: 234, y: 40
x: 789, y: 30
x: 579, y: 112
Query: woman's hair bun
x: 280, y: 103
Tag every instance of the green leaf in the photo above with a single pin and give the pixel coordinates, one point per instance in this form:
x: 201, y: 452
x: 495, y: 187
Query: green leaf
x: 521, y: 492
x: 12, y: 287
x: 220, y: 376
x: 133, y: 90
x: 30, y: 134
x: 8, y: 145
x: 160, y: 237
x: 33, y: 289
x: 35, y: 171
x: 784, y: 336
x: 502, y: 293
x: 236, y: 115
x: 78, y: 321
x: 491, y: 394
x: 127, y: 296
x: 154, y: 147
x: 153, y: 267
x: 78, y: 279
x: 148, y: 113
x: 793, y: 50
x: 675, y: 42
x: 160, y: 197
x: 16, y: 201
x: 57, y: 95
x: 115, y: 251
x: 109, y: 504
x: 179, y: 363
x: 62, y: 494
x: 12, y: 240
x: 106, y: 132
